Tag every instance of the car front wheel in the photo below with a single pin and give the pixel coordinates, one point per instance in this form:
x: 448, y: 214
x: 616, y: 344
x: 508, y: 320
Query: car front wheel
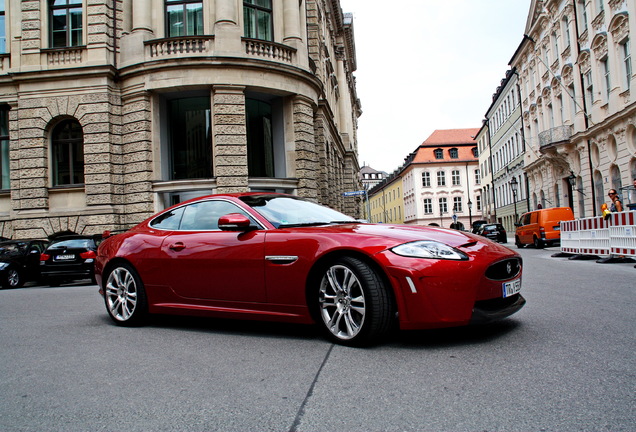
x: 125, y: 296
x: 354, y: 305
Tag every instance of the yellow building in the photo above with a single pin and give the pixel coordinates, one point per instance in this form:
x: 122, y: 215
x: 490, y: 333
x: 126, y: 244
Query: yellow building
x: 386, y: 201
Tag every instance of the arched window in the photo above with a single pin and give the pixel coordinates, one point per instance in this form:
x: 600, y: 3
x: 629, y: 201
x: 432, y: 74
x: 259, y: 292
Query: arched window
x: 67, y: 153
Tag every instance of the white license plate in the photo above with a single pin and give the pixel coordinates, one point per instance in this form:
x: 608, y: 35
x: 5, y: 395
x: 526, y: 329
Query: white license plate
x: 557, y: 228
x: 511, y: 288
x: 64, y: 257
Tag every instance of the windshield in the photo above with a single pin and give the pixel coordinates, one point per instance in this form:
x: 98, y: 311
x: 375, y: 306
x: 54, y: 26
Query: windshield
x: 288, y: 211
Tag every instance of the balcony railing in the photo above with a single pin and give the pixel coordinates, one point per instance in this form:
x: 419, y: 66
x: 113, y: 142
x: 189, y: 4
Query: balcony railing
x: 180, y: 46
x: 56, y: 57
x: 269, y: 50
x: 555, y: 135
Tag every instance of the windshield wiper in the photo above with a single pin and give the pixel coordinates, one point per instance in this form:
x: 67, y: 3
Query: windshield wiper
x: 306, y: 224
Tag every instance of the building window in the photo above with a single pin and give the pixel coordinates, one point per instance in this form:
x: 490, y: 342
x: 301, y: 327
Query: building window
x: 566, y: 31
x: 454, y: 154
x: 477, y: 176
x: 184, y: 18
x: 475, y: 152
x: 67, y: 153
x: 428, y: 206
x: 439, y: 154
x: 3, y: 29
x: 455, y: 178
x: 606, y: 77
x: 478, y: 199
x: 582, y: 16
x: 443, y: 206
x: 441, y: 178
x: 4, y: 148
x: 627, y: 63
x: 426, y: 179
x: 457, y: 205
x: 257, y: 17
x: 260, y: 142
x: 65, y: 23
x: 589, y: 89
x: 190, y: 142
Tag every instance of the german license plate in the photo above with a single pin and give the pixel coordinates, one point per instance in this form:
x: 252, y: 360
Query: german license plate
x: 64, y: 257
x: 511, y: 288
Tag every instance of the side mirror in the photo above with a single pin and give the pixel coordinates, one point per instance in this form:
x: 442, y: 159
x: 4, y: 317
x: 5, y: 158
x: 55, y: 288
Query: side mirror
x: 235, y: 222
x: 517, y: 224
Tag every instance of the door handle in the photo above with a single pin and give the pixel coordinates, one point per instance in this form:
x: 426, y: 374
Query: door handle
x: 177, y: 247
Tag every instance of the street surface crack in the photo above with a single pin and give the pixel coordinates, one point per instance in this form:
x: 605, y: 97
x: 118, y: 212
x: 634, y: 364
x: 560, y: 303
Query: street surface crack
x: 301, y: 410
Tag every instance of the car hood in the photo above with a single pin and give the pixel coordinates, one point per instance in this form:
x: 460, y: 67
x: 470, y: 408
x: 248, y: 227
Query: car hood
x: 389, y: 235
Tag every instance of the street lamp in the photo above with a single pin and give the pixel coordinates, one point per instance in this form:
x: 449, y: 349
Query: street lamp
x: 470, y: 213
x: 513, y: 187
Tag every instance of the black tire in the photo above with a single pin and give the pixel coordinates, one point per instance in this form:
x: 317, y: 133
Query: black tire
x: 538, y: 244
x: 125, y: 296
x: 353, y: 306
x: 518, y: 243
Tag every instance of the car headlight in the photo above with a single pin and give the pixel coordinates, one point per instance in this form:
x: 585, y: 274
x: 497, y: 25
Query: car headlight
x: 429, y: 249
x: 4, y: 265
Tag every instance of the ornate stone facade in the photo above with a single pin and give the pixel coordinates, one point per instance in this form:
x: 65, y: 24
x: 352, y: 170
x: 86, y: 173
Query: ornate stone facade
x: 121, y: 77
x: 578, y: 112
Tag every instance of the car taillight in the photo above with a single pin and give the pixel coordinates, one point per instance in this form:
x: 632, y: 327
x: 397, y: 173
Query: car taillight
x: 44, y: 257
x: 88, y: 254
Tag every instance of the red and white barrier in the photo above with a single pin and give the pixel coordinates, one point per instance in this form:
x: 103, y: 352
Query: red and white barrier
x: 623, y: 233
x: 597, y: 236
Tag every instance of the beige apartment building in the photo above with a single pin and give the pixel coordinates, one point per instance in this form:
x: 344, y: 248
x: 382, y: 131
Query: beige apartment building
x: 113, y: 110
x: 579, y: 114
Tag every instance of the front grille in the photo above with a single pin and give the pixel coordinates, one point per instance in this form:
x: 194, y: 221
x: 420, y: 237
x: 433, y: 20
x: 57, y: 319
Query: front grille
x: 506, y: 269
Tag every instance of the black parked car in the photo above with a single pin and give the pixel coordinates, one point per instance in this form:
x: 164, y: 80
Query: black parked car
x: 495, y: 232
x: 20, y: 261
x: 69, y: 259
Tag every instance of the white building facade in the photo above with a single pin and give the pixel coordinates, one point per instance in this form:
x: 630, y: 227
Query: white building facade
x: 578, y: 101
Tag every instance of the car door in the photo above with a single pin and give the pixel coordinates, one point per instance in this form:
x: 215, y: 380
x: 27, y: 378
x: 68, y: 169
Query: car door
x: 203, y: 262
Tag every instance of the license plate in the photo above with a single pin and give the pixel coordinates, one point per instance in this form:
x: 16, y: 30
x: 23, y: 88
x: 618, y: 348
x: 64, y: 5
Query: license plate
x: 511, y: 288
x: 64, y: 257
x: 557, y: 228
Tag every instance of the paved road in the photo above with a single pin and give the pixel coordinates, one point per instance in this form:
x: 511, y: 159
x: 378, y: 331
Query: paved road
x: 563, y: 363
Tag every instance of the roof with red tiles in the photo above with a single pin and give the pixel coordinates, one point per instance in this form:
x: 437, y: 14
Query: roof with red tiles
x: 452, y: 136
x: 461, y: 140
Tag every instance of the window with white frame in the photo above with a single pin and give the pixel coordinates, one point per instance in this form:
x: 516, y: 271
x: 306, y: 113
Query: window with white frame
x: 441, y: 178
x: 428, y: 206
x: 443, y: 206
x: 478, y: 200
x: 627, y: 63
x: 426, y: 179
x: 455, y: 178
x: 606, y: 78
x: 457, y: 205
x: 589, y: 89
x: 477, y: 176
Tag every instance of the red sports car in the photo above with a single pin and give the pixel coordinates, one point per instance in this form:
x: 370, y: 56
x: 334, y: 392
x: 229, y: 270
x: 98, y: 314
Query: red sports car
x: 269, y: 256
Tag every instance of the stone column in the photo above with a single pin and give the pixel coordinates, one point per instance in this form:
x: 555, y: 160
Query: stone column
x: 307, y: 169
x: 229, y: 139
x: 141, y: 18
x: 227, y: 33
x: 291, y: 16
x: 137, y: 158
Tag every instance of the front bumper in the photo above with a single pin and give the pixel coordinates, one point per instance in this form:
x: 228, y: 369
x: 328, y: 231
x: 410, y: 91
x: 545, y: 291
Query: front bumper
x: 486, y: 311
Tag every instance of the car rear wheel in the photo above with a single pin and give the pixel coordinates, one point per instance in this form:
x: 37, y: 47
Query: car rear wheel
x: 538, y: 243
x: 125, y: 296
x: 518, y: 243
x: 354, y: 305
x: 13, y: 278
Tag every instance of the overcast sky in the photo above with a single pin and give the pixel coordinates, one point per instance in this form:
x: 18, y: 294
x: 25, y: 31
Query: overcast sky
x: 425, y: 65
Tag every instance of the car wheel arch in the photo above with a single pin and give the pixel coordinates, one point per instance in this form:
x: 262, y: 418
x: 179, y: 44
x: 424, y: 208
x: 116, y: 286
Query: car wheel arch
x: 313, y: 277
x: 110, y: 265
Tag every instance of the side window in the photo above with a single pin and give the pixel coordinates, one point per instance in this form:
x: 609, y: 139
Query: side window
x: 169, y: 220
x: 204, y: 216
x: 65, y: 22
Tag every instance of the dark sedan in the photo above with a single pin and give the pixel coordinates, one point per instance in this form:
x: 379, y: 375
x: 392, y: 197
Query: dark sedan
x: 19, y: 261
x: 494, y: 232
x: 69, y: 259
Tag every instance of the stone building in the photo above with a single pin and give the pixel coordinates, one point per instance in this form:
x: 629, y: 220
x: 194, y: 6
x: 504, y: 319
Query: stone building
x: 110, y: 111
x: 575, y: 76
